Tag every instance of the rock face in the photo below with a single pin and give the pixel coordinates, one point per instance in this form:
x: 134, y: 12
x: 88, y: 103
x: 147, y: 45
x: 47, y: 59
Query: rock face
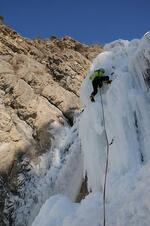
x: 39, y: 84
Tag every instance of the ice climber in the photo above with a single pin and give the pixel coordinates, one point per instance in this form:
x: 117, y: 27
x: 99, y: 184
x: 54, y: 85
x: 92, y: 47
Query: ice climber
x: 98, y: 77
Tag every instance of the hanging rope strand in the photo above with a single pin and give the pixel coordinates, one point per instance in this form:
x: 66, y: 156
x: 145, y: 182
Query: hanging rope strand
x: 106, y: 167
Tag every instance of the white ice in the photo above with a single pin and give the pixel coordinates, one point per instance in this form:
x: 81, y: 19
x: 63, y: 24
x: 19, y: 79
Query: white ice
x: 127, y: 115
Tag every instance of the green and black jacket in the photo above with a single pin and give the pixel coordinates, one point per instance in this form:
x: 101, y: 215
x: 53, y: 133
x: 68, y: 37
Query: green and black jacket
x: 96, y: 74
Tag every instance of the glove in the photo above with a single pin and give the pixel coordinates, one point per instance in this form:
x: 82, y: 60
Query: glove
x: 109, y: 81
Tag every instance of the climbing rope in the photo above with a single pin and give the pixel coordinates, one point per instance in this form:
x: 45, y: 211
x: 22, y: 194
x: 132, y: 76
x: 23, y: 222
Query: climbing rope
x: 106, y: 166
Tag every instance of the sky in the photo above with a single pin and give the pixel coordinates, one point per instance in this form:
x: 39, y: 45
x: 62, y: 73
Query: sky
x: 88, y: 21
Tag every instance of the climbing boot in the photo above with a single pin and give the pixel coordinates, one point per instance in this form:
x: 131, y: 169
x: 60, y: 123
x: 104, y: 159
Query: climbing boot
x: 92, y: 98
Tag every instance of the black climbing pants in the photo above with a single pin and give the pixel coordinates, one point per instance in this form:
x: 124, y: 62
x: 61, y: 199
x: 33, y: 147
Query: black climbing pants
x: 98, y: 82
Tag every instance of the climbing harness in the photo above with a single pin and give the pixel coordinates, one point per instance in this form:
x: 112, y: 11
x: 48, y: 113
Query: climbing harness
x: 107, y: 161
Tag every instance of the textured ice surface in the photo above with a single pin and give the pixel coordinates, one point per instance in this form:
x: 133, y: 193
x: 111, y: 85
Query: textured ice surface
x: 127, y: 114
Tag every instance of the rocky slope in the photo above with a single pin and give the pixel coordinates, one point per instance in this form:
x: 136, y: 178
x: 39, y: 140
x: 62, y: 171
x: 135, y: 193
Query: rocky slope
x: 39, y: 85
